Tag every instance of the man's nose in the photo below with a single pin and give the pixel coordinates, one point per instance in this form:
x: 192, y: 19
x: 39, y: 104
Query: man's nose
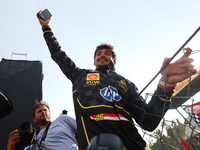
x: 102, y: 55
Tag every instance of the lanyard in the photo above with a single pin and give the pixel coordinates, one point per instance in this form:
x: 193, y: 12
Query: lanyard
x: 43, y: 137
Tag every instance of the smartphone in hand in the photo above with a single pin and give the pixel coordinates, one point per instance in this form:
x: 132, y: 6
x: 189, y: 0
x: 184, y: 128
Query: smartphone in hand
x: 45, y: 15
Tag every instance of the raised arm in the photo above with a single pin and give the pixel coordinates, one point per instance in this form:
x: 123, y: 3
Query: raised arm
x: 67, y: 66
x: 149, y: 115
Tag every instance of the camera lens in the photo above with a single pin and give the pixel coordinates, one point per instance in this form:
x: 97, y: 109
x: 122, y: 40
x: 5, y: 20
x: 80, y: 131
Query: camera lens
x: 5, y: 106
x: 27, y: 135
x: 25, y: 128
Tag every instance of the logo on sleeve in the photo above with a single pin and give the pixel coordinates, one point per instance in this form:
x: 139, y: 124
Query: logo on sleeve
x: 122, y: 84
x: 92, y: 79
x: 110, y: 93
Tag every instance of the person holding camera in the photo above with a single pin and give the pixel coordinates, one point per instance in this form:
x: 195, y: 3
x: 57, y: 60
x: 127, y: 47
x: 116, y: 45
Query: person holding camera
x: 106, y: 102
x: 58, y: 134
x: 13, y: 139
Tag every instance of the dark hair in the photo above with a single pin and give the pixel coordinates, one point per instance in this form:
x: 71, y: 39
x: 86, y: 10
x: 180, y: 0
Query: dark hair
x: 37, y: 105
x: 108, y: 47
x: 64, y: 112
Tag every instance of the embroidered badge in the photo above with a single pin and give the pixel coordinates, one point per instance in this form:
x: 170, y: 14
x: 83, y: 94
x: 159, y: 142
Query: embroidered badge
x: 122, y: 84
x: 93, y: 79
x: 110, y: 93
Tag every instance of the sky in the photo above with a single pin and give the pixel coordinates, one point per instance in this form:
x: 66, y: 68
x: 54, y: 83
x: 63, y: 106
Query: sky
x: 143, y: 34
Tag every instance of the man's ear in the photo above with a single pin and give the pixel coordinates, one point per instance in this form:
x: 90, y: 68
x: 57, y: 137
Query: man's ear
x: 114, y: 62
x: 34, y: 120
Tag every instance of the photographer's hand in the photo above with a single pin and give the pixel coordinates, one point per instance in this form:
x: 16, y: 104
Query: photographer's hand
x: 14, y: 138
x: 41, y: 21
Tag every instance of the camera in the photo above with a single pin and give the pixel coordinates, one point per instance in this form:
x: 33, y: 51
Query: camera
x: 106, y: 141
x: 27, y: 135
x: 6, y: 107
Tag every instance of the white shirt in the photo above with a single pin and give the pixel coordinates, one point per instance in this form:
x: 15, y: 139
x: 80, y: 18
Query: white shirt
x: 60, y: 135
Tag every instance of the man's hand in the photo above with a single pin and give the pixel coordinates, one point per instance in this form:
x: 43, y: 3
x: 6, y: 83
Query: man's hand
x: 14, y: 138
x: 184, y: 64
x: 41, y: 21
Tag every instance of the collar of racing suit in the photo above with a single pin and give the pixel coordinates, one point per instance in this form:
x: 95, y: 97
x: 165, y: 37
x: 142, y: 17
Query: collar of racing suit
x: 106, y: 68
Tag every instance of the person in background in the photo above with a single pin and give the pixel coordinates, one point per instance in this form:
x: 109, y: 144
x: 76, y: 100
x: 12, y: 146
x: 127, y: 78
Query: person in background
x: 64, y: 112
x: 60, y: 133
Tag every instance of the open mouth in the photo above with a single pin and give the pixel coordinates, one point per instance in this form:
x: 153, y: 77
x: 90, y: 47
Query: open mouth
x: 103, y: 60
x: 43, y: 116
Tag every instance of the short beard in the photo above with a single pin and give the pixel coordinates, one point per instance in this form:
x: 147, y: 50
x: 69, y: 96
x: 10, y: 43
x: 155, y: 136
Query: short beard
x: 43, y: 121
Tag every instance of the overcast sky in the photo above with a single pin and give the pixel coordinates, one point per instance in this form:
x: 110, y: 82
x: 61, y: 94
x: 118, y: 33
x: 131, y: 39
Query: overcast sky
x: 142, y: 32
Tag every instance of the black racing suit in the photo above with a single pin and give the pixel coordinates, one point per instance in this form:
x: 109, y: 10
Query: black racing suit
x: 106, y: 102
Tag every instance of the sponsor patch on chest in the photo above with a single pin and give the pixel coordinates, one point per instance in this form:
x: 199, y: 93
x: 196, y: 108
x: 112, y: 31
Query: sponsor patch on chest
x: 92, y: 79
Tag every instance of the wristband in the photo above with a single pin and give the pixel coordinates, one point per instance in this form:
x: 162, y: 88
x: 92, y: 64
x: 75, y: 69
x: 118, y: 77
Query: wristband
x: 168, y: 89
x: 161, y: 82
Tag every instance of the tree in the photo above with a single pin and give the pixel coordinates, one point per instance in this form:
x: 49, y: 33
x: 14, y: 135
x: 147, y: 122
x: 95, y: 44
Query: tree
x: 168, y: 141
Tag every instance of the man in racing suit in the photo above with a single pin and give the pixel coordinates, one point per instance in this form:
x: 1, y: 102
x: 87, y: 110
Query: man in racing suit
x: 106, y: 102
